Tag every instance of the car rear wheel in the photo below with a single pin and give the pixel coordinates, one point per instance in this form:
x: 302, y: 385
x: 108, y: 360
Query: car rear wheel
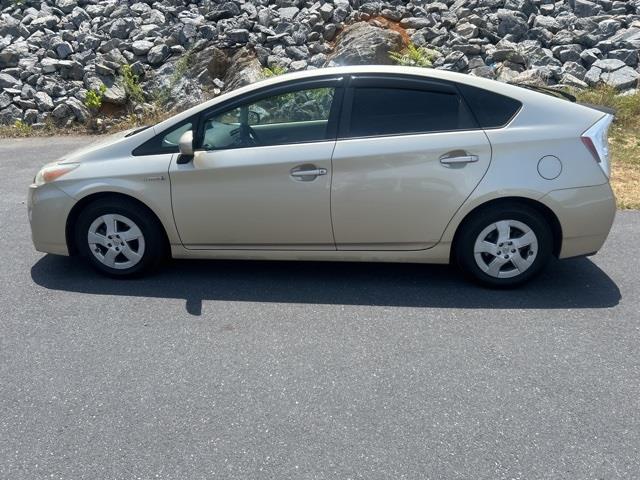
x: 119, y: 238
x: 504, y: 246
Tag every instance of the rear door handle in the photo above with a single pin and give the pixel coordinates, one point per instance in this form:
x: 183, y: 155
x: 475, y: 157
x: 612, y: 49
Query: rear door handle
x: 459, y: 159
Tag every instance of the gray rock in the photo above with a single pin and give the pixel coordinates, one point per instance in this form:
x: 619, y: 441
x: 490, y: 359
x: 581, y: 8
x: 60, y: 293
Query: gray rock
x: 586, y: 8
x: 115, y: 95
x: 10, y: 115
x: 238, y: 35
x: 417, y: 22
x: 49, y: 65
x: 7, y: 81
x: 609, y: 64
x: 63, y: 50
x: 590, y: 55
x: 571, y: 81
x: 78, y: 109
x: 221, y: 11
x: 244, y: 69
x: 62, y: 111
x: 121, y: 28
x: 512, y: 25
x: 158, y: 54
x: 621, y: 79
x: 11, y: 55
x: 45, y: 21
x: 484, y: 72
x: 592, y: 78
x: 628, y: 56
x: 43, y: 101
x: 467, y: 30
x: 288, y: 13
x: 574, y: 69
x: 362, y: 44
x: 5, y: 100
x: 66, y: 5
x: 548, y: 23
x: 78, y: 16
x: 30, y: 116
x: 141, y: 47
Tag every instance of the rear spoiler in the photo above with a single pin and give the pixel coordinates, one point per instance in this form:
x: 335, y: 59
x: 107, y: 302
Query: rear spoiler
x: 548, y: 90
x: 600, y: 108
x: 565, y: 95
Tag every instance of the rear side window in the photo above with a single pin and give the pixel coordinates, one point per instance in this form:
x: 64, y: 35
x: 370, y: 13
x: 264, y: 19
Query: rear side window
x: 396, y: 111
x: 491, y: 109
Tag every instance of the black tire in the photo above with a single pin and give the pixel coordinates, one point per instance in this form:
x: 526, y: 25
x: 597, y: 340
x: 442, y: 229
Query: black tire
x: 153, y: 235
x: 473, y: 227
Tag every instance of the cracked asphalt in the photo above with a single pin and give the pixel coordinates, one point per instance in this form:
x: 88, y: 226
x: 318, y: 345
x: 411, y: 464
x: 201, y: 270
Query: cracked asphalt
x: 250, y: 370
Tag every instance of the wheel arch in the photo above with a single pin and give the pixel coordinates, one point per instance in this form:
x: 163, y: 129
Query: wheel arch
x: 544, y: 210
x: 81, y: 204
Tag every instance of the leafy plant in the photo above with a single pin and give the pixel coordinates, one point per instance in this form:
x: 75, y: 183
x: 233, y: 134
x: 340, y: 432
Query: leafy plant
x: 131, y: 84
x: 182, y: 66
x: 93, y: 99
x: 413, y: 56
x: 23, y: 129
x: 268, y: 72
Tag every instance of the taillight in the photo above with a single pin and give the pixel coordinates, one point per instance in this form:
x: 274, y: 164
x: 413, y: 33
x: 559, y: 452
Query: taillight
x: 596, y: 139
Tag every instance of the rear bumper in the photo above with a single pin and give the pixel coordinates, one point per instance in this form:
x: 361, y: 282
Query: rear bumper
x: 49, y: 208
x: 586, y: 215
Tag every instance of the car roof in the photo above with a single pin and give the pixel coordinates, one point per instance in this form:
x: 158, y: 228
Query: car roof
x: 512, y: 91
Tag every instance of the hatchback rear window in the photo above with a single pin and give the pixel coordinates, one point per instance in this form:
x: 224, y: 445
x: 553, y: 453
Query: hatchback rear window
x: 395, y: 111
x: 491, y: 109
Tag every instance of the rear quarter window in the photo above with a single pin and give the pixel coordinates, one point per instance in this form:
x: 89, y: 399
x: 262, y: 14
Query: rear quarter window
x: 491, y: 109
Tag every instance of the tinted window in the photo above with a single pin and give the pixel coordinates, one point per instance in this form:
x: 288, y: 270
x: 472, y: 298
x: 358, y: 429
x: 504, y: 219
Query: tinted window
x: 294, y: 117
x: 166, y: 142
x: 490, y: 109
x: 389, y: 111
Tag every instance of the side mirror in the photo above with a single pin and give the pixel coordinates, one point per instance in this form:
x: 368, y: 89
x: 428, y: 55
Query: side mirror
x: 185, y: 146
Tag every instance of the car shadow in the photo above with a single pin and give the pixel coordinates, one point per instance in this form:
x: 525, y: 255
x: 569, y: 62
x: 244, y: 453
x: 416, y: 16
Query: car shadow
x: 577, y: 283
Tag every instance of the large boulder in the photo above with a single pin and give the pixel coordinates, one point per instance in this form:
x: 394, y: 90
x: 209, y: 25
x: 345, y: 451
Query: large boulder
x: 244, y: 69
x: 363, y: 44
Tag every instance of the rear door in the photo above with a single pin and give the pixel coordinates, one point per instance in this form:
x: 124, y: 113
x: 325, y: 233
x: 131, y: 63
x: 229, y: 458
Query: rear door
x: 409, y: 153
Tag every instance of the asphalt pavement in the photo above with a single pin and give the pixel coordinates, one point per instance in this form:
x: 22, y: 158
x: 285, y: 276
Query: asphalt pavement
x: 254, y: 370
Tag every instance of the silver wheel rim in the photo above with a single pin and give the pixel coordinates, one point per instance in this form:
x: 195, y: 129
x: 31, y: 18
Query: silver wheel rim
x: 116, y: 241
x: 506, y: 249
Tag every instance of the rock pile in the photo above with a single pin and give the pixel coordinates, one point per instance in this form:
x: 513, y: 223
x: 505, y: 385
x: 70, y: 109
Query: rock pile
x: 52, y: 52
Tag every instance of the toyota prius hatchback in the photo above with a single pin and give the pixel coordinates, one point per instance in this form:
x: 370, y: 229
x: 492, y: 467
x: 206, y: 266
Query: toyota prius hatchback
x: 381, y: 164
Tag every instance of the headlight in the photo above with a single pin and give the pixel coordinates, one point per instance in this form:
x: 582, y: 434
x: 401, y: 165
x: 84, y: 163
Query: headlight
x: 51, y: 172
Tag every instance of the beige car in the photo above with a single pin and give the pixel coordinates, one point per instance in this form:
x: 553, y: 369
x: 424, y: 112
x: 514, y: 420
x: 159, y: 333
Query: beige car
x: 380, y: 164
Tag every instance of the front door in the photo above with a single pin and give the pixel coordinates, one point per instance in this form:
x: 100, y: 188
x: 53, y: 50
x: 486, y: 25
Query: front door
x: 261, y: 177
x: 409, y: 155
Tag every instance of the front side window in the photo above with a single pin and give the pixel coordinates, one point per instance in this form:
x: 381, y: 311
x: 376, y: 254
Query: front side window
x: 395, y: 111
x: 294, y: 117
x: 166, y: 142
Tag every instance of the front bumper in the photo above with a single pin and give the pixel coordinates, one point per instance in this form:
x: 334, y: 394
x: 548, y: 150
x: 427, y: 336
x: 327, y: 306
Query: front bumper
x: 586, y: 215
x: 49, y: 208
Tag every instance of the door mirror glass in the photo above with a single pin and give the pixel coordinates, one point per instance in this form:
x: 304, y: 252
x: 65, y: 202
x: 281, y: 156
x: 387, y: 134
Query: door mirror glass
x: 186, y: 143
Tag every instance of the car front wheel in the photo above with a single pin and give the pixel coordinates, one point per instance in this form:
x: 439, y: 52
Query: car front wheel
x: 504, y: 246
x: 119, y: 238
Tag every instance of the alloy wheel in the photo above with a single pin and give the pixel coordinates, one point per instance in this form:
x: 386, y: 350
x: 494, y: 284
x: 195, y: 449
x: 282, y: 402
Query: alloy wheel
x: 116, y: 241
x: 506, y: 249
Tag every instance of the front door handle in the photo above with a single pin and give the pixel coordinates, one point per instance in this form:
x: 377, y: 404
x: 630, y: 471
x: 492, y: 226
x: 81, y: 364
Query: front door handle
x: 458, y: 159
x: 309, y: 173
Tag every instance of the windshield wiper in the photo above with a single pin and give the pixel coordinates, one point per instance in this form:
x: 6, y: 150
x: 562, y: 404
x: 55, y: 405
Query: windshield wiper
x: 137, y: 130
x: 547, y: 90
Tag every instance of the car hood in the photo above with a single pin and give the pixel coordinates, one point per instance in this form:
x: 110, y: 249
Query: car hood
x: 94, y: 149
